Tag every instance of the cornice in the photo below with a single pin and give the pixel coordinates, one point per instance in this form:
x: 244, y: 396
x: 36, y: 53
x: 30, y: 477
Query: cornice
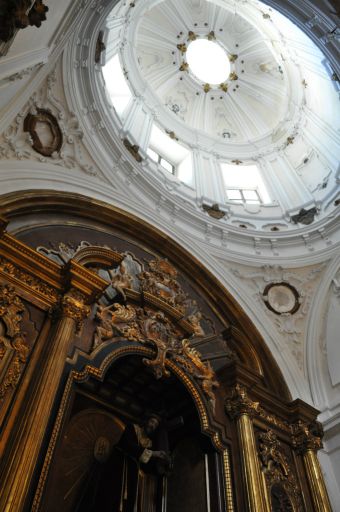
x: 41, y: 278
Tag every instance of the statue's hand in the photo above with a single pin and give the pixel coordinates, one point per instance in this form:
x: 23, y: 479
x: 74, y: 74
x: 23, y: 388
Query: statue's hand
x: 162, y: 455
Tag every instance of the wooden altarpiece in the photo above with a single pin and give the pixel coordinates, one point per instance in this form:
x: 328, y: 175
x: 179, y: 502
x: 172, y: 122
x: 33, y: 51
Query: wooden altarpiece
x: 95, y: 332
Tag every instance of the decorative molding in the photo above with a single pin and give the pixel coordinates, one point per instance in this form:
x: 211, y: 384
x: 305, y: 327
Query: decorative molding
x: 307, y: 437
x: 238, y: 403
x: 23, y: 278
x: 71, y: 153
x: 73, y: 306
x: 292, y: 324
x: 278, y: 473
x: 41, y: 125
x: 23, y: 73
x: 281, y: 298
x: 14, y: 349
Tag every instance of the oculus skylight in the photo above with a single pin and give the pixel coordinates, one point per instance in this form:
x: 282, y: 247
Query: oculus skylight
x: 208, y: 61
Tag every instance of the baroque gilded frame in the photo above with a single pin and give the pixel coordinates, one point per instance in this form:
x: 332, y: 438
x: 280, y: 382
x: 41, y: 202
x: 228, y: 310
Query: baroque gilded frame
x: 98, y: 371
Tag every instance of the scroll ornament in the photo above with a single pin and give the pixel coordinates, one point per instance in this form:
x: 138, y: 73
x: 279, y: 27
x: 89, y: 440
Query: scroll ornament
x: 14, y: 349
x: 150, y: 327
x: 277, y: 469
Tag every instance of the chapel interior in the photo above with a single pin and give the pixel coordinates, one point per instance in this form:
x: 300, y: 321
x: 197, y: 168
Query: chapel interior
x: 169, y: 255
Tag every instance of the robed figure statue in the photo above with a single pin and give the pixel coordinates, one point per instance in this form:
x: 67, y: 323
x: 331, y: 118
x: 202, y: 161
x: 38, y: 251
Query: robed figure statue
x: 128, y: 477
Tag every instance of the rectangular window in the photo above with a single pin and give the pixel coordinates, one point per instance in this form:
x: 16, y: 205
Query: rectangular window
x: 239, y: 195
x: 244, y: 184
x: 156, y: 157
x: 167, y: 165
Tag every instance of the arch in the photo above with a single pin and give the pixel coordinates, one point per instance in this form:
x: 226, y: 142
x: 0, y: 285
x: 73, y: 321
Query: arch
x: 16, y: 206
x: 314, y: 329
x: 83, y: 367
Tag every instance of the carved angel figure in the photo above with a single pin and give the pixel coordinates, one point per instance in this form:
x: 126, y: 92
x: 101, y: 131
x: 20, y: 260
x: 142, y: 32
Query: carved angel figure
x: 121, y: 280
x: 116, y: 320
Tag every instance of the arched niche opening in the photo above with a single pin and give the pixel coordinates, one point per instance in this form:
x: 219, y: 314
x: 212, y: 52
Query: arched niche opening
x: 55, y: 219
x: 94, y: 467
x: 127, y: 292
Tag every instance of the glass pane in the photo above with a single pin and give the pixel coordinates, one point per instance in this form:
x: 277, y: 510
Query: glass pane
x: 250, y: 194
x: 234, y: 195
x: 245, y: 177
x: 152, y: 154
x: 166, y: 165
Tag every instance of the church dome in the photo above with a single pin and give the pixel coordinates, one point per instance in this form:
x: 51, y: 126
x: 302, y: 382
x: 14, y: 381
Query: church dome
x: 250, y: 157
x: 235, y: 106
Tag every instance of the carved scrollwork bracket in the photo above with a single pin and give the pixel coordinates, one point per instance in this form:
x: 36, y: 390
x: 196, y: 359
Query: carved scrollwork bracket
x: 307, y: 437
x: 271, y: 454
x: 239, y: 403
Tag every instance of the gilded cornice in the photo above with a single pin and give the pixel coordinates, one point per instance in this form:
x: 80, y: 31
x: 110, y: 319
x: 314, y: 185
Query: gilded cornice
x: 84, y: 280
x: 43, y: 280
x: 45, y: 294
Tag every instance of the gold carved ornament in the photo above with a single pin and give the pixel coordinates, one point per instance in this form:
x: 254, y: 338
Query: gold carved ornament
x: 277, y: 469
x: 307, y: 437
x: 191, y: 360
x: 32, y: 282
x: 184, y: 66
x: 153, y: 328
x: 182, y: 48
x: 239, y: 403
x: 14, y: 349
x: 72, y: 305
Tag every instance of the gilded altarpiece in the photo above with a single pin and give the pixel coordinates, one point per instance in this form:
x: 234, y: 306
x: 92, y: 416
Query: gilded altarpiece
x: 97, y: 331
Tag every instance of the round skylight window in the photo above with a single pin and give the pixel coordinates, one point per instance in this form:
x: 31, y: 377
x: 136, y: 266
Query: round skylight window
x: 208, y: 61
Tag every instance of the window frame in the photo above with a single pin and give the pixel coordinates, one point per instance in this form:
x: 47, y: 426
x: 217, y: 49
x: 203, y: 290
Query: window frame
x: 159, y: 161
x: 243, y: 200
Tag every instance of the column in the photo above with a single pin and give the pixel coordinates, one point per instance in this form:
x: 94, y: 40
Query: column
x: 240, y: 408
x: 307, y: 441
x: 18, y: 473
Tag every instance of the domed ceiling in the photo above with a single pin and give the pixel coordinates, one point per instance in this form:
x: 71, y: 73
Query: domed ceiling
x: 228, y: 104
x: 251, y: 98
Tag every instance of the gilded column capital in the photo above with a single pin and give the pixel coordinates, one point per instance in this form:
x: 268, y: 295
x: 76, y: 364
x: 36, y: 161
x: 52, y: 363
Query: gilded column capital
x: 307, y: 437
x: 238, y: 403
x: 73, y: 306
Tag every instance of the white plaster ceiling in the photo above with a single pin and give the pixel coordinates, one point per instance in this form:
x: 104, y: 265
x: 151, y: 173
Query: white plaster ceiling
x: 281, y: 114
x: 253, y: 105
x: 57, y: 71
